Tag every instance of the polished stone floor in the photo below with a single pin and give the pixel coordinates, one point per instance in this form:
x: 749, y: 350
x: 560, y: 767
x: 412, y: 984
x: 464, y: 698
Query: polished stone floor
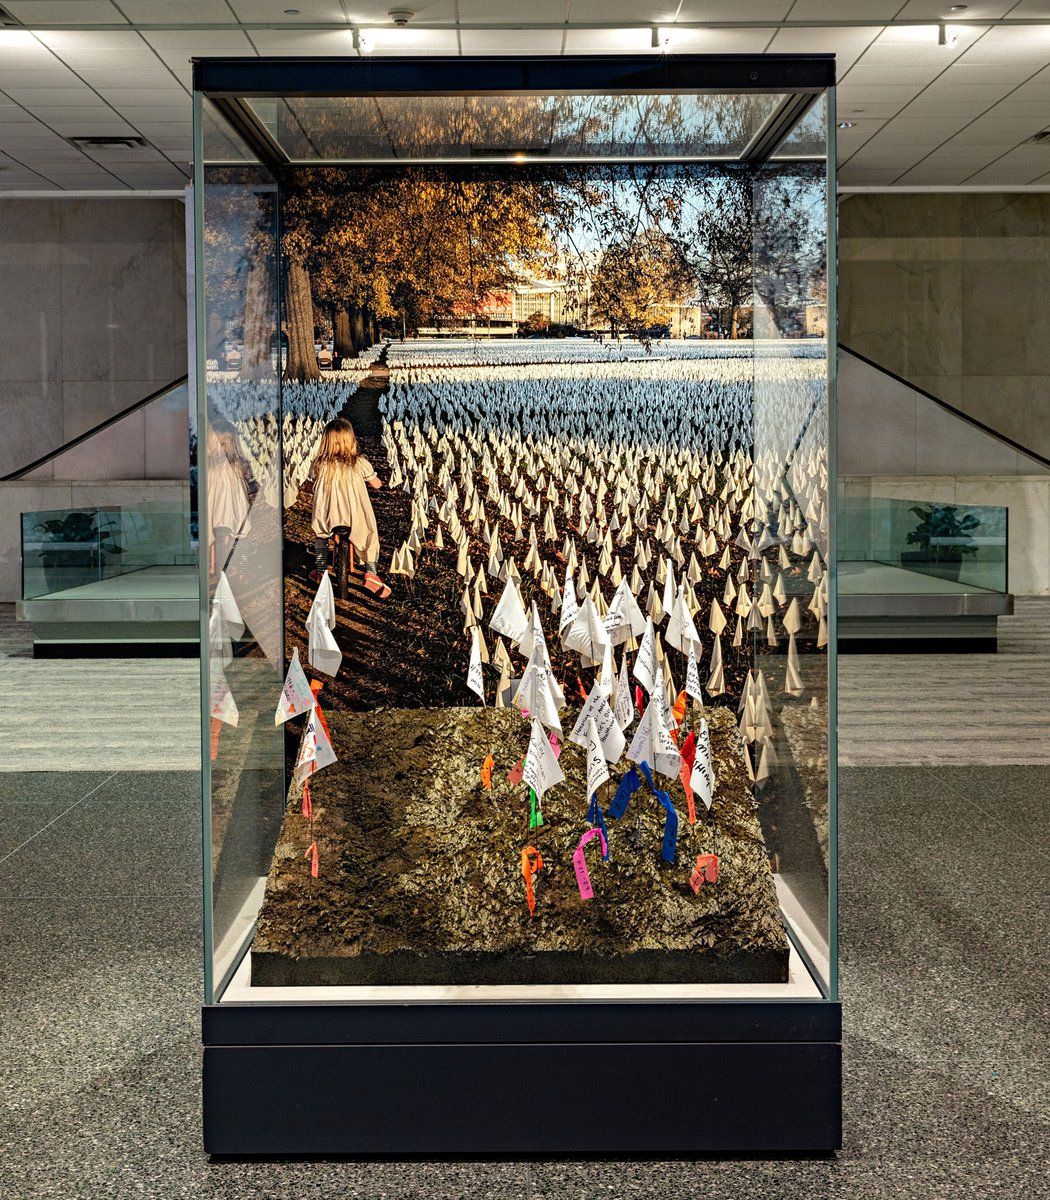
x: 946, y: 981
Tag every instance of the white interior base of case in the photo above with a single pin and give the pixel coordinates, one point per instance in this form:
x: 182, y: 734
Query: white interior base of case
x: 800, y: 984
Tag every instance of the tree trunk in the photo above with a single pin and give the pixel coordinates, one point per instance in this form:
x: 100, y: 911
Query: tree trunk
x: 299, y: 309
x: 342, y: 338
x: 733, y: 321
x: 357, y: 328
x: 258, y: 324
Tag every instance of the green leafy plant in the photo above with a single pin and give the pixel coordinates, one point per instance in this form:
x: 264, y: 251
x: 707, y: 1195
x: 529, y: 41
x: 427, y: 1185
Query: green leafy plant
x: 942, y: 534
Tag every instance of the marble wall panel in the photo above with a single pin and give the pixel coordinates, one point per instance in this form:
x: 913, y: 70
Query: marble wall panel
x: 31, y: 420
x: 31, y: 298
x: 111, y: 268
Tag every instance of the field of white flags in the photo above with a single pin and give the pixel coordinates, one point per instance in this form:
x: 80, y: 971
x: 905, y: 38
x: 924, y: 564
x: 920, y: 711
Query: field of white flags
x: 567, y: 517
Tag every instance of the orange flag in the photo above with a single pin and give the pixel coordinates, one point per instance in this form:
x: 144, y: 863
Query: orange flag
x: 311, y: 854
x: 315, y: 687
x: 486, y: 771
x: 678, y: 712
x: 308, y: 804
x: 531, y: 863
x: 216, y: 729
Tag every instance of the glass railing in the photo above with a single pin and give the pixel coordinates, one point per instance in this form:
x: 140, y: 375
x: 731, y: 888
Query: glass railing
x: 901, y: 546
x: 86, y: 547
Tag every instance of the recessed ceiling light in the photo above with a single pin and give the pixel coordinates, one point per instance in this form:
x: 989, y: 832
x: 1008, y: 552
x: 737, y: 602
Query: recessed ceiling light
x: 292, y: 12
x: 846, y: 124
x: 958, y: 8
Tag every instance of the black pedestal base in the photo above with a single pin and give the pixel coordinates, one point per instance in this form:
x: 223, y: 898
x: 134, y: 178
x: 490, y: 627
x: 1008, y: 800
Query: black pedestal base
x: 523, y: 1079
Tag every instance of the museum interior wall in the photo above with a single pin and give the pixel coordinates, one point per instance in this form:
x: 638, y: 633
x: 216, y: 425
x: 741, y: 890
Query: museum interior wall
x: 950, y: 291
x: 96, y: 322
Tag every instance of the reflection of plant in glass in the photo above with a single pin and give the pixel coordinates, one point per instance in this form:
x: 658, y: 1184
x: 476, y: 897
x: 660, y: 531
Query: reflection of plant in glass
x: 942, y: 534
x: 79, y: 527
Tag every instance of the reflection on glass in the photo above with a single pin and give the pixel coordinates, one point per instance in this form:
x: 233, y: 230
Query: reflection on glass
x: 239, y: 382
x: 422, y: 127
x: 927, y: 547
x: 790, y: 553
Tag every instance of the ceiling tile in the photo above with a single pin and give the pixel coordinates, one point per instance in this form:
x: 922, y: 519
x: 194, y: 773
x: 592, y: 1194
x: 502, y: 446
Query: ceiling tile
x: 715, y: 10
x: 186, y: 42
x: 121, y: 97
x: 845, y: 10
x: 102, y: 80
x: 62, y: 12
x: 309, y: 10
x: 1029, y: 44
x: 54, y: 96
x: 180, y: 10
x: 937, y: 10
x: 359, y: 10
x: 846, y: 44
x: 511, y: 10
x: 511, y: 41
x: 332, y: 42
x: 413, y: 41
x: 21, y: 50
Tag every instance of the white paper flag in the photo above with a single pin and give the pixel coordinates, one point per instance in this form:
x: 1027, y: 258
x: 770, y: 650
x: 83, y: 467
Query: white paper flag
x: 475, y: 675
x: 653, y: 744
x: 225, y: 601
x: 569, y: 604
x: 681, y: 632
x: 692, y: 677
x: 223, y: 705
x: 535, y: 695
x: 597, y: 770
x: 623, y: 708
x: 323, y: 651
x: 541, y: 771
x: 509, y: 617
x: 646, y: 667
x: 296, y: 696
x: 702, y: 778
x: 324, y: 600
x: 596, y: 708
x: 587, y: 634
x: 315, y: 749
x: 624, y: 618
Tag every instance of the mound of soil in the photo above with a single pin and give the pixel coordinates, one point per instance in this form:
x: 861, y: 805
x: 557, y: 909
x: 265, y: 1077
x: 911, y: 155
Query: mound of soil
x: 420, y: 869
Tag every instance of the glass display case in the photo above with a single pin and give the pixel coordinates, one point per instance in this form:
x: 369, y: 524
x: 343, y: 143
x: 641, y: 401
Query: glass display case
x: 516, y: 471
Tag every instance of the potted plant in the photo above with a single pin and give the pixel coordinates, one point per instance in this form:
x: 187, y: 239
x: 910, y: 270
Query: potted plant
x: 74, y: 547
x: 944, y: 538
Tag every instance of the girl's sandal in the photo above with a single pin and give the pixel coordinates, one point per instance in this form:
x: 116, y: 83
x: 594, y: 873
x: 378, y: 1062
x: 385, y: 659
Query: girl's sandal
x: 376, y: 585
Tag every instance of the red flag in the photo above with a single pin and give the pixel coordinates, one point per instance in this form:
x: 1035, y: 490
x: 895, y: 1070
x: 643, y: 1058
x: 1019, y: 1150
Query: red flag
x: 688, y: 752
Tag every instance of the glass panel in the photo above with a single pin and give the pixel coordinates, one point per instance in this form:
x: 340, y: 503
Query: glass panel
x: 791, y: 710
x: 576, y: 416
x: 65, y: 549
x: 923, y: 547
x: 240, y: 530
x: 427, y: 127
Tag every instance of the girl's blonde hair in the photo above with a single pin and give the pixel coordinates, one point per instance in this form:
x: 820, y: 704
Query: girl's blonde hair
x: 338, y: 449
x: 224, y: 445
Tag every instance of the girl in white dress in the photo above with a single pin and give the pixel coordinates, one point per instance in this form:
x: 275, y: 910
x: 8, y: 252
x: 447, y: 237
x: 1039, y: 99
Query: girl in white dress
x: 342, y: 476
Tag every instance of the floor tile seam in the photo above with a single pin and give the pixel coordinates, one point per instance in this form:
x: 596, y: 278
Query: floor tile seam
x: 57, y: 818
